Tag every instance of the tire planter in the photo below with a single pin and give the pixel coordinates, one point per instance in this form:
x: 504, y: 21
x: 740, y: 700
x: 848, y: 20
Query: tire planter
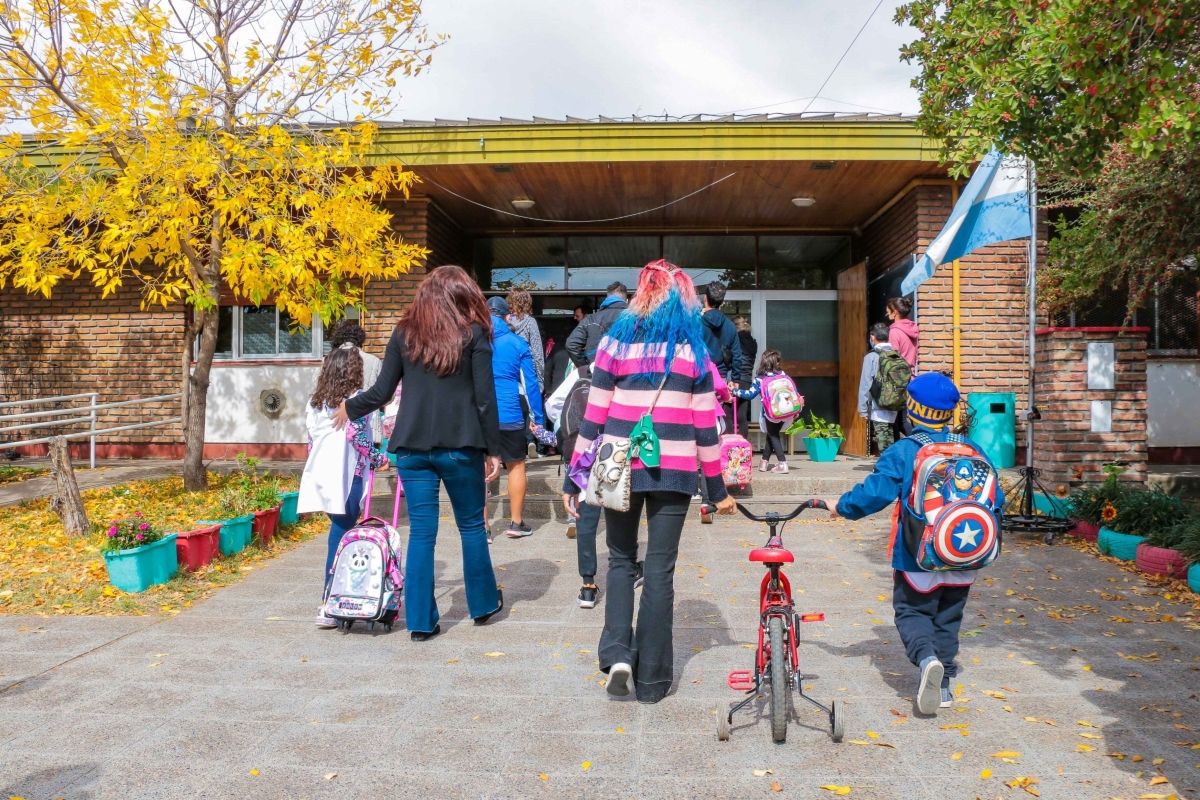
x: 196, y: 549
x: 1119, y: 545
x: 235, y: 533
x: 1194, y: 578
x: 1085, y: 530
x: 822, y: 449
x: 264, y: 525
x: 1049, y: 505
x: 288, y: 501
x: 1161, y: 561
x: 139, y: 568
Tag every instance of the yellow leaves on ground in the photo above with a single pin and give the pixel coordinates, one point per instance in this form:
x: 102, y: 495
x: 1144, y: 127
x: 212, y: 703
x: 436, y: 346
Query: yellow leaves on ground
x: 1021, y: 782
x: 831, y: 787
x: 1158, y: 780
x: 1087, y: 724
x: 45, y: 572
x: 1007, y: 754
x: 956, y: 757
x: 496, y: 654
x: 543, y: 776
x: 1084, y: 748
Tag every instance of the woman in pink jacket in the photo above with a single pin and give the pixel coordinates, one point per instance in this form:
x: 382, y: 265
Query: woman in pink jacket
x: 903, y: 334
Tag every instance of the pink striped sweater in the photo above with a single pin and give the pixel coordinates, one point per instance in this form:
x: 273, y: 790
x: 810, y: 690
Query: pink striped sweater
x: 684, y: 418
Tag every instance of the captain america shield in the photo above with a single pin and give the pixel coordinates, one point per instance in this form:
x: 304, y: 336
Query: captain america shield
x: 964, y: 532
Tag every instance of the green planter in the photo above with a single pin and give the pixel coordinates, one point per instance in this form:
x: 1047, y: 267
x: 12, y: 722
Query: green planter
x: 822, y: 449
x: 1194, y: 577
x: 139, y: 568
x: 235, y: 533
x: 288, y: 502
x: 1119, y: 545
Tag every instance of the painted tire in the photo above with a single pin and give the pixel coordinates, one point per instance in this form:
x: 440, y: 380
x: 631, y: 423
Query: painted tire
x: 1119, y: 545
x: 1161, y: 561
x: 1085, y: 530
x: 1194, y: 578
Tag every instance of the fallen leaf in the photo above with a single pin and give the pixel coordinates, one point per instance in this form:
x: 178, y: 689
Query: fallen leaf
x: 155, y: 664
x: 1007, y: 754
x: 1030, y: 663
x: 253, y: 772
x: 761, y: 773
x: 987, y: 773
x: 838, y: 790
x: 620, y: 730
x: 330, y: 776
x: 496, y: 654
x: 872, y: 734
x: 1158, y: 761
x: 1184, y: 727
x: 1084, y: 748
x: 956, y: 757
x: 1086, y: 724
x: 586, y: 765
x: 452, y: 661
x: 1158, y: 780
x: 958, y: 726
x: 995, y: 694
x: 775, y: 787
x: 1152, y: 797
x: 543, y: 776
x: 1091, y: 736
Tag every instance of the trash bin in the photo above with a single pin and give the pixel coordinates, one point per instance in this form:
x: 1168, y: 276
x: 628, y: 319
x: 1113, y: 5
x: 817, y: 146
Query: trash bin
x: 994, y: 425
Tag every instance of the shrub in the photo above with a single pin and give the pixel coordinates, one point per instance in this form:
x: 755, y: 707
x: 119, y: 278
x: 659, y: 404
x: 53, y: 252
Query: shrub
x: 124, y: 534
x: 1089, y: 503
x: 1186, y: 538
x: 818, y: 428
x: 1148, y: 513
x: 249, y: 490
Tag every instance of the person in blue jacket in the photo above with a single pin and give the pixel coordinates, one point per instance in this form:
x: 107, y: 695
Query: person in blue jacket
x: 512, y: 365
x: 928, y: 605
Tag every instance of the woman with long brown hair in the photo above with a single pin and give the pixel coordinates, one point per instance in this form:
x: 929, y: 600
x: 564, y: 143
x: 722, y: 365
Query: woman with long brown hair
x: 447, y: 428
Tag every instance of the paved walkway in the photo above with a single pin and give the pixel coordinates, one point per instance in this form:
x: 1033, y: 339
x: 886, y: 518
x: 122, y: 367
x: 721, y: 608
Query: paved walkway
x: 242, y: 697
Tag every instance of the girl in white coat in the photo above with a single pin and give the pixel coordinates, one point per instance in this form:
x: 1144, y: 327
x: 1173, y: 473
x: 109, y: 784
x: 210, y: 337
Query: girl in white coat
x: 338, y: 460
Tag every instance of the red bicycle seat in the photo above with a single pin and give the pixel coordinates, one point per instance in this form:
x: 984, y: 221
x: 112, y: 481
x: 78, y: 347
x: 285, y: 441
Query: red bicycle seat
x: 772, y: 555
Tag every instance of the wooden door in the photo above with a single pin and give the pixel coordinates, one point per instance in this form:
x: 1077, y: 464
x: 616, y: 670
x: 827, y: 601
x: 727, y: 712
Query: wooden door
x: 852, y: 347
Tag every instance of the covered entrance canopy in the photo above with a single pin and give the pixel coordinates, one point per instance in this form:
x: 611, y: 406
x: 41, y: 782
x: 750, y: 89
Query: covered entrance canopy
x: 773, y: 206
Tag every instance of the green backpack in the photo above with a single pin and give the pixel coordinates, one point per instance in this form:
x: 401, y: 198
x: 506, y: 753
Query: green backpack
x: 890, y: 387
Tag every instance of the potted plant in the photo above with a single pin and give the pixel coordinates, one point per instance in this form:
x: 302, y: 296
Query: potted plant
x: 138, y: 555
x: 1089, y: 505
x: 196, y: 549
x: 1139, y: 514
x: 823, y: 440
x: 288, y: 502
x: 265, y: 499
x: 235, y: 515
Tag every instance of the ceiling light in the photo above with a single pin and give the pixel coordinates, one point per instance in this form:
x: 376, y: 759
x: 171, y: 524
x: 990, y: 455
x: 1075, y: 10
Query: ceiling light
x: 803, y: 202
x: 523, y: 205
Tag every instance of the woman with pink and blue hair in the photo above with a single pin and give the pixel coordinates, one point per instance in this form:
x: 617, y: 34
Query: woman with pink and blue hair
x: 657, y: 342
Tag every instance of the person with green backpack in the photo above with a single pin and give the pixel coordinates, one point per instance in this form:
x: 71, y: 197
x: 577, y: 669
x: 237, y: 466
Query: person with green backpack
x: 883, y: 387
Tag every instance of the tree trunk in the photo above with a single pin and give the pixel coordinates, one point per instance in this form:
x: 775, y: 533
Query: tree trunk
x: 195, y: 478
x: 68, y: 502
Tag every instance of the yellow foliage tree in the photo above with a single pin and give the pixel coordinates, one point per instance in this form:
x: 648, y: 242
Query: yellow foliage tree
x: 175, y: 145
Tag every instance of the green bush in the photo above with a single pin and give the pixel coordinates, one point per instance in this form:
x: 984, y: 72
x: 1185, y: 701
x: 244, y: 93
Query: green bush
x: 249, y: 490
x: 1148, y: 513
x: 1088, y: 503
x: 1185, y: 538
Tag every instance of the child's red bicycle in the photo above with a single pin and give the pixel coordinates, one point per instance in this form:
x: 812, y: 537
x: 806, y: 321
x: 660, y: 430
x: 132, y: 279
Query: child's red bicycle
x: 777, y: 660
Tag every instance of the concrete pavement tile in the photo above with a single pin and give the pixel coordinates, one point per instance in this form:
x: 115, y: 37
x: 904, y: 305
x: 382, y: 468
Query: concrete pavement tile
x: 354, y: 706
x: 43, y: 775
x: 238, y: 703
x: 330, y: 747
x: 99, y: 735
x: 424, y: 748
x: 511, y: 786
x: 206, y: 739
x: 15, y: 724
x: 145, y: 776
x: 611, y: 755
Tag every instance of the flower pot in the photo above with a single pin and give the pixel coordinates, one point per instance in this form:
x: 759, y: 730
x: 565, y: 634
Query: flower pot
x: 1119, y: 545
x: 1194, y: 577
x: 1161, y: 561
x: 264, y: 525
x: 287, y: 508
x: 196, y: 549
x: 235, y: 533
x: 822, y: 449
x: 1085, y: 530
x: 139, y: 568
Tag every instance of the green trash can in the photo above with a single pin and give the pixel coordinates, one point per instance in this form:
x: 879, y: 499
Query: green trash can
x: 994, y: 425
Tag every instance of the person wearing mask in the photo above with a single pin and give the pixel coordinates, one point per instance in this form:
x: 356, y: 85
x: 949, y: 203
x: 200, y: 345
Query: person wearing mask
x: 879, y: 419
x: 447, y: 431
x: 723, y: 345
x: 904, y: 337
x: 655, y: 349
x: 585, y: 339
x: 511, y: 363
x: 348, y: 330
x: 750, y: 354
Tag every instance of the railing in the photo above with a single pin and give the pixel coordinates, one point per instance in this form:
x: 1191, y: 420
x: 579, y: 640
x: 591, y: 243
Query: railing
x: 83, y: 414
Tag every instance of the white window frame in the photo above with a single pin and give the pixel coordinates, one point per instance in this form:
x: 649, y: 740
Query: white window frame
x: 318, y: 341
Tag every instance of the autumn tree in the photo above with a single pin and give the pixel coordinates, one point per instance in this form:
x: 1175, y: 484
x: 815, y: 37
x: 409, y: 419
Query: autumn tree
x: 1102, y: 96
x: 171, y: 146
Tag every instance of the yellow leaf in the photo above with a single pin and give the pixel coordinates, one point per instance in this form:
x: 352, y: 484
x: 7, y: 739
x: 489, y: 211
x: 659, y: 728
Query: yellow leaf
x: 330, y: 776
x: 452, y: 661
x: 620, y: 730
x: 872, y: 734
x: 253, y: 772
x: 761, y: 773
x: 956, y: 756
x: 1158, y: 761
x: 987, y: 773
x: 1091, y: 736
x: 1137, y: 759
x: 1086, y: 724
x: 496, y: 654
x: 586, y: 765
x: 1087, y: 669
x: 1158, y: 780
x: 1006, y: 754
x: 1084, y: 748
x: 1152, y: 796
x: 832, y: 787
x: 543, y: 776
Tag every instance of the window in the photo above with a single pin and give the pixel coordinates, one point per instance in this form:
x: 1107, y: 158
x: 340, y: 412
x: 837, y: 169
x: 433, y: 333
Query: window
x: 265, y: 332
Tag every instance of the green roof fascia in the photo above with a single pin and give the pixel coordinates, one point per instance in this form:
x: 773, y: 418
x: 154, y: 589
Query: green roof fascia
x: 642, y: 141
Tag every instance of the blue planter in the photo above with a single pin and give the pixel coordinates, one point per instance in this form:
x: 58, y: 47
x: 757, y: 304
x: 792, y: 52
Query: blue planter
x: 139, y: 568
x: 1119, y: 545
x: 235, y: 533
x: 1052, y: 506
x: 287, y: 508
x: 822, y: 449
x: 1194, y: 577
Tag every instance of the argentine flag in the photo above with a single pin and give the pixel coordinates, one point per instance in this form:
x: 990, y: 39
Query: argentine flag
x: 993, y: 208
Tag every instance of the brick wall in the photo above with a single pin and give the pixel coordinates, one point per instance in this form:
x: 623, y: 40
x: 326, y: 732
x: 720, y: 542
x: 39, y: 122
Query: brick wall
x: 893, y: 236
x: 76, y: 342
x: 1064, y: 446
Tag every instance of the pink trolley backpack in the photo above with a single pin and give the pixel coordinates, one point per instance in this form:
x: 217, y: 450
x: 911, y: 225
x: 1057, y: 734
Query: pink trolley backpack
x: 367, y: 582
x: 737, y: 456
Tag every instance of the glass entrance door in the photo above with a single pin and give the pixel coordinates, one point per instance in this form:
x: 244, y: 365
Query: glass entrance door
x: 802, y: 325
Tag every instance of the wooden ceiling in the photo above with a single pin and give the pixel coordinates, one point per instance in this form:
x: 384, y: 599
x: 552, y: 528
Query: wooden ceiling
x: 757, y: 196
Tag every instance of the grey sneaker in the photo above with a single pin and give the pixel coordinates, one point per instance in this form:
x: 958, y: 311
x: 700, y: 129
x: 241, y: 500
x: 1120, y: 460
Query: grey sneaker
x: 518, y: 529
x: 638, y: 577
x: 947, y: 697
x: 587, y: 596
x: 929, y: 692
x: 324, y: 621
x: 619, y: 678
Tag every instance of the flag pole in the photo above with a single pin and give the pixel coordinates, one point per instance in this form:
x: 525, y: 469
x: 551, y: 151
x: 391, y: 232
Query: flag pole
x: 1031, y: 171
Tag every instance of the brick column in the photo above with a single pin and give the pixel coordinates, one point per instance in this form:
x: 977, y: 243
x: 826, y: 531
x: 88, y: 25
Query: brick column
x: 1064, y: 447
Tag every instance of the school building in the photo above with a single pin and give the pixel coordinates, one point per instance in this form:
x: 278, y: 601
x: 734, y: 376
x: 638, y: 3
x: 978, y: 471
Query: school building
x: 811, y: 220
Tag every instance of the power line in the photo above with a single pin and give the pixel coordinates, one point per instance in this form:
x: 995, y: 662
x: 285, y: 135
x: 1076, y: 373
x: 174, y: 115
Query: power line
x: 844, y: 54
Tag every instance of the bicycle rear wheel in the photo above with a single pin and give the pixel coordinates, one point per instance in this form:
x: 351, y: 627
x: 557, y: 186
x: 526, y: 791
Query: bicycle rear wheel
x: 779, y: 681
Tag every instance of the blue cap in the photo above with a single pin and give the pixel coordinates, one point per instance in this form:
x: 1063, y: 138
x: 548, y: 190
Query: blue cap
x: 498, y: 305
x: 931, y: 399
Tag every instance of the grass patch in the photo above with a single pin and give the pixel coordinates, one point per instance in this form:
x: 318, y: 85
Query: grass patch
x: 10, y: 474
x: 42, y: 571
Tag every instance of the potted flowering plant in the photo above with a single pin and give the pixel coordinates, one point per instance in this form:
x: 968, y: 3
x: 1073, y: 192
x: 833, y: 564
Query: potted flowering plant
x: 823, y: 440
x: 138, y: 554
x: 1138, y: 515
x: 1096, y: 505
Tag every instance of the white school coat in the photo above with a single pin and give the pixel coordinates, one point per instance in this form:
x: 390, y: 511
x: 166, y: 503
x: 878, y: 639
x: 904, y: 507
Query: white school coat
x: 329, y: 470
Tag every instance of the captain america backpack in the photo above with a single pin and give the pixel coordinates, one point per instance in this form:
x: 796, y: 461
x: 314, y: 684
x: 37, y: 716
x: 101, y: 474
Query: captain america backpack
x: 950, y: 519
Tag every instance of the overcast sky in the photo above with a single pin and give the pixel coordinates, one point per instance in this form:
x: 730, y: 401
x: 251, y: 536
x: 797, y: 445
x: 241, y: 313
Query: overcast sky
x: 586, y: 58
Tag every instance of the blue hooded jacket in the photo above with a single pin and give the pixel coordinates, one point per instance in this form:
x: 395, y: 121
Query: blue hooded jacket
x: 511, y: 359
x: 892, y: 481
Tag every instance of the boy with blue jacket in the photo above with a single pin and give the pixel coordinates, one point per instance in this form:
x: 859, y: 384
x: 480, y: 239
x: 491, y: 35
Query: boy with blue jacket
x: 928, y: 605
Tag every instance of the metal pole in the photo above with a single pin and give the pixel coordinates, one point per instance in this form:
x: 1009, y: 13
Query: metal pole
x: 92, y: 438
x: 1031, y: 171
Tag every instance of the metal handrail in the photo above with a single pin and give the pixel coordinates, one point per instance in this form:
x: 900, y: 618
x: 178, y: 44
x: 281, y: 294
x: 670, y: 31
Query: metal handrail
x: 88, y: 416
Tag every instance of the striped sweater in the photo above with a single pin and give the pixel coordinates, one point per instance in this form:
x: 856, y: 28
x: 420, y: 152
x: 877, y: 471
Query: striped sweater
x: 684, y: 418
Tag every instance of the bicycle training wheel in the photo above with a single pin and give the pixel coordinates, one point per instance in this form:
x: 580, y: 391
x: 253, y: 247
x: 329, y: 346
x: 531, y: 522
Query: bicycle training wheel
x: 722, y: 722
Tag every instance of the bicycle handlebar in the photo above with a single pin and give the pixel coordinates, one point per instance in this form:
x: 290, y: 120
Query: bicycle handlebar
x: 777, y: 517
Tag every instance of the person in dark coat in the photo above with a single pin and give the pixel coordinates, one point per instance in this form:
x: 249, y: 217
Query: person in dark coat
x: 750, y: 354
x: 722, y: 339
x: 585, y: 339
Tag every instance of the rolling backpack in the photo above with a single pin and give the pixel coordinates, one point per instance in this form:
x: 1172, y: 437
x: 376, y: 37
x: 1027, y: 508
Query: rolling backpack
x: 890, y: 386
x: 781, y: 399
x: 367, y: 582
x: 737, y: 456
x: 950, y: 520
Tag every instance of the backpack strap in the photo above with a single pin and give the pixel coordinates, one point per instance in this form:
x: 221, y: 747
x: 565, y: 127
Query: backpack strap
x: 921, y: 438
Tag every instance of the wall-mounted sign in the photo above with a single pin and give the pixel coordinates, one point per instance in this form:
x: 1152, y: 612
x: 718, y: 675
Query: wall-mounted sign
x: 1102, y: 362
x: 1102, y: 416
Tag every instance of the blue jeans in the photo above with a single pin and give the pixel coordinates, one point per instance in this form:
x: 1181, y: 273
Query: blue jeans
x: 929, y: 622
x: 422, y: 473
x: 340, y: 523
